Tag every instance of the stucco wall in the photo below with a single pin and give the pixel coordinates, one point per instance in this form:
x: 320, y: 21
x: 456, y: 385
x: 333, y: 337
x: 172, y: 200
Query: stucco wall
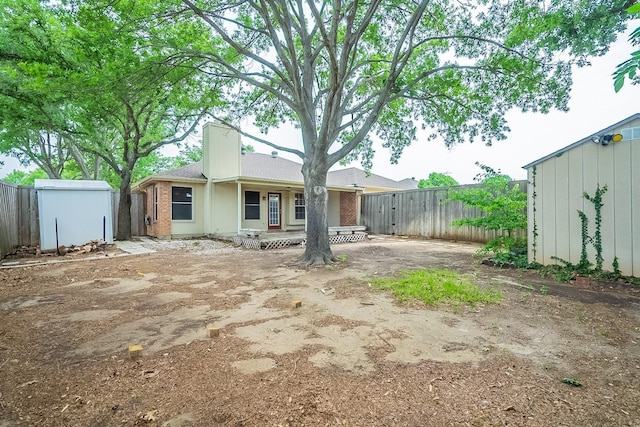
x: 333, y: 214
x: 195, y: 226
x: 291, y: 221
x: 220, y: 151
x: 560, y: 183
x: 224, y: 209
x: 286, y: 206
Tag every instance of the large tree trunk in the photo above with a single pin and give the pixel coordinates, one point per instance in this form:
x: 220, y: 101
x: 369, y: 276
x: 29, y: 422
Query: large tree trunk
x: 77, y: 156
x: 124, y: 209
x: 317, y: 251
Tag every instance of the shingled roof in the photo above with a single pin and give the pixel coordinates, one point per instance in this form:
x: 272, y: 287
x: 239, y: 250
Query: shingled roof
x: 359, y: 178
x: 273, y: 168
x: 267, y: 167
x: 190, y: 171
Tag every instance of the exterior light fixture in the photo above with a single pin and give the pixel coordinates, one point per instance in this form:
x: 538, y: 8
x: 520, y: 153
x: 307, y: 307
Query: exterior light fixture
x: 606, y: 139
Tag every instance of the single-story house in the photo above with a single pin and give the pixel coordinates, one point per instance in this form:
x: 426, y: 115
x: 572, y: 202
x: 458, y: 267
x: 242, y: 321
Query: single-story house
x: 558, y: 182
x: 232, y: 190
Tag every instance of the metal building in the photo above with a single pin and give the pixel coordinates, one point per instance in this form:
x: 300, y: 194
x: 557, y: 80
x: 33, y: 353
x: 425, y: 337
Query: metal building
x: 73, y: 212
x: 557, y: 186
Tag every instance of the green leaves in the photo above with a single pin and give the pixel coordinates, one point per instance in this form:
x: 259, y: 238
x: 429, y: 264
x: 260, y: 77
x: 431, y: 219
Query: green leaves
x: 634, y: 8
x: 628, y: 68
x: 503, y: 206
x: 437, y: 179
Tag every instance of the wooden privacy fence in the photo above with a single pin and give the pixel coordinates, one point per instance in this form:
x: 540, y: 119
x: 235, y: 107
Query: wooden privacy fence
x: 18, y: 217
x: 137, y: 212
x: 424, y: 213
x: 19, y: 220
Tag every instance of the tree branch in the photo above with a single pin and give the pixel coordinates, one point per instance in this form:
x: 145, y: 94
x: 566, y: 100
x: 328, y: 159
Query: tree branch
x: 258, y: 139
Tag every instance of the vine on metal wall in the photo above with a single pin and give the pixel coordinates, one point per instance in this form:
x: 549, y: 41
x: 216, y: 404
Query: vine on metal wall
x: 597, y: 237
x: 534, y: 246
x: 584, y: 264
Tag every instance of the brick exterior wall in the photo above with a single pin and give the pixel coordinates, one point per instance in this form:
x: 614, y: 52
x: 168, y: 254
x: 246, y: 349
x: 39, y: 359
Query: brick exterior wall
x: 348, y: 208
x: 160, y: 228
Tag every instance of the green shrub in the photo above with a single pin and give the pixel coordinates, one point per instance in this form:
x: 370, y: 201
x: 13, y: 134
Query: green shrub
x: 504, y: 207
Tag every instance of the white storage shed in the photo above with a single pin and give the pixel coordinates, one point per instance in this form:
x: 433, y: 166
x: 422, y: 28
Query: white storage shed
x: 558, y: 182
x: 73, y: 212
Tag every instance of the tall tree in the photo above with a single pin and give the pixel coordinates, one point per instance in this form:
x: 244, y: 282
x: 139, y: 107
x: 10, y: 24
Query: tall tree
x: 343, y: 71
x: 113, y: 95
x: 131, y: 94
x: 437, y: 179
x: 33, y: 64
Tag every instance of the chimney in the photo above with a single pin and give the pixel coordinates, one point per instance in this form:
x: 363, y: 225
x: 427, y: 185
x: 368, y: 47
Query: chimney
x: 221, y: 151
x: 274, y: 154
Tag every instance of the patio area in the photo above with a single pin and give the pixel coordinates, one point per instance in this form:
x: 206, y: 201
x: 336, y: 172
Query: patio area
x: 261, y: 239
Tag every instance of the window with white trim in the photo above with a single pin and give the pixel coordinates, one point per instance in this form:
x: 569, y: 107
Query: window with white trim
x: 630, y: 133
x: 155, y: 202
x: 251, y: 205
x: 299, y: 206
x: 181, y: 203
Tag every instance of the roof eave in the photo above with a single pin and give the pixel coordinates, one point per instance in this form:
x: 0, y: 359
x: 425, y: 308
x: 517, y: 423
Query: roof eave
x: 280, y: 183
x: 582, y: 141
x: 155, y: 178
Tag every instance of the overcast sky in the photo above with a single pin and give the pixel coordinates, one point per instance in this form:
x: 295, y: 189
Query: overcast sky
x: 594, y: 105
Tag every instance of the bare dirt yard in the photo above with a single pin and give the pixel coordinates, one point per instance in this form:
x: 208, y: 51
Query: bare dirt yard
x: 350, y: 355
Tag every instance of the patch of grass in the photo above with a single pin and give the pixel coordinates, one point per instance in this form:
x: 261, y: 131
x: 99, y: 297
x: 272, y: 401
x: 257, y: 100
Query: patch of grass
x: 582, y: 315
x: 544, y: 290
x: 196, y: 243
x: 572, y: 381
x: 342, y: 258
x: 436, y: 286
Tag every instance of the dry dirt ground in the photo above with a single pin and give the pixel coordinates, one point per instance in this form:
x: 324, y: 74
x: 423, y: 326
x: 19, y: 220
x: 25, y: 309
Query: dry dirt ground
x: 349, y: 356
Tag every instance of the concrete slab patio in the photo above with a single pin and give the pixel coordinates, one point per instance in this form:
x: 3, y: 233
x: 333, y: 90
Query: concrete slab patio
x: 133, y: 248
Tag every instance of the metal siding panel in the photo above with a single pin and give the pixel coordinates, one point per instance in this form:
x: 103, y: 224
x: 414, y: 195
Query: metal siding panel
x: 79, y: 216
x: 548, y: 217
x: 635, y: 206
x: 590, y: 181
x: 606, y: 177
x: 622, y: 200
x: 575, y: 203
x: 562, y: 214
x: 532, y: 254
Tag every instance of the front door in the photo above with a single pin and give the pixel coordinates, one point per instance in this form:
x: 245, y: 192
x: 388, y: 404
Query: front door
x: 275, y: 212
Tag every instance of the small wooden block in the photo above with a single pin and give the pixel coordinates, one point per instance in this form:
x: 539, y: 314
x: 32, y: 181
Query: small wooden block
x: 214, y: 332
x: 135, y: 351
x: 296, y: 303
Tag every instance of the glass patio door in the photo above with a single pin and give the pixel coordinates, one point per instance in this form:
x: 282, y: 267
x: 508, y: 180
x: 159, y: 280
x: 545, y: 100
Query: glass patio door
x: 275, y: 211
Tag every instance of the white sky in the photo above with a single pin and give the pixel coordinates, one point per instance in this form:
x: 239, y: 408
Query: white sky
x: 594, y: 105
